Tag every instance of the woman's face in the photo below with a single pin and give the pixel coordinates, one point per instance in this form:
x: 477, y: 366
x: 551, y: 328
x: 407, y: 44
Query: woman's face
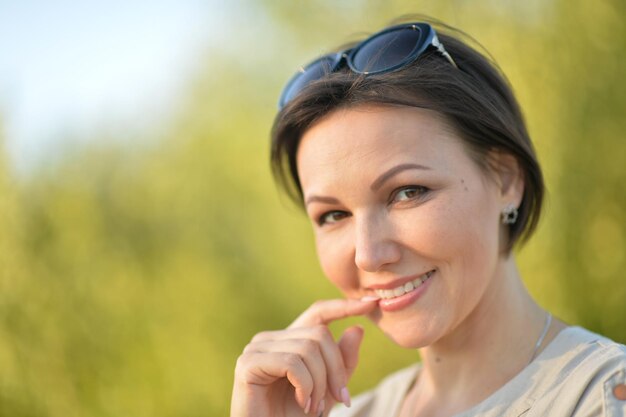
x: 399, y: 209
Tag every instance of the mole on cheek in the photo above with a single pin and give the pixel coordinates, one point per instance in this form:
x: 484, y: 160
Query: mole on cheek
x: 464, y: 186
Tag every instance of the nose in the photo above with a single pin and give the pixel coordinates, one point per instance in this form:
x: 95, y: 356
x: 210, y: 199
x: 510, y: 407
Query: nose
x: 374, y: 244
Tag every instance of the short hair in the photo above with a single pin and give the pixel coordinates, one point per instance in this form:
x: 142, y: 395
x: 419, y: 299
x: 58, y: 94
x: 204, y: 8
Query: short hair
x: 476, y: 99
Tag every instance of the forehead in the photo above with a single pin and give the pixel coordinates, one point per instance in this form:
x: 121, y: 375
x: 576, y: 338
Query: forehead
x: 365, y: 139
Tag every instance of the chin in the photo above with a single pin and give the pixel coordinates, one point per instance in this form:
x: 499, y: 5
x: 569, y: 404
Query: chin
x: 409, y: 333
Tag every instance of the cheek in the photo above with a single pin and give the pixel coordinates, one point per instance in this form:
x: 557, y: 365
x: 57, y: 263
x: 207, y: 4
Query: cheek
x: 337, y: 260
x: 452, y: 229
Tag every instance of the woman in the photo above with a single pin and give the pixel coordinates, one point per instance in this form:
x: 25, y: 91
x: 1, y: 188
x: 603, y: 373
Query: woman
x: 412, y: 160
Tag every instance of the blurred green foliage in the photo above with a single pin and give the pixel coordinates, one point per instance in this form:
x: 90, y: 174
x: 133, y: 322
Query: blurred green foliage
x: 132, y: 276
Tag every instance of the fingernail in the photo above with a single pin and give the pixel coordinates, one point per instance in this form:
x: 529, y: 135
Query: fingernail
x: 370, y: 298
x: 307, y: 407
x: 321, y: 407
x: 345, y: 396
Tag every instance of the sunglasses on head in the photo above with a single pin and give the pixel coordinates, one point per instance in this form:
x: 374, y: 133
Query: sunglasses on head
x: 388, y: 50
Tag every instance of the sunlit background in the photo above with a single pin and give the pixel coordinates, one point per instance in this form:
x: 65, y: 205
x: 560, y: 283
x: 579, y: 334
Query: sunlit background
x: 143, y: 242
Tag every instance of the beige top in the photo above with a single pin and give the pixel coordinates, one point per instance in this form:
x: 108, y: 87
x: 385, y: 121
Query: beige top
x: 575, y: 375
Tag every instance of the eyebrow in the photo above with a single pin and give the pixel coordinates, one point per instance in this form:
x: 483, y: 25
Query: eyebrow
x: 375, y: 185
x: 320, y: 199
x: 394, y: 171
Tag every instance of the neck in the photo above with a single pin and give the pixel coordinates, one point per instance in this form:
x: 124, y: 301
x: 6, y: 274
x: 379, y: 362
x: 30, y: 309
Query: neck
x: 489, y: 348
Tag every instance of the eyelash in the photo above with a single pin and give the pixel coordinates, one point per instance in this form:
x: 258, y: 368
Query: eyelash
x: 421, y: 191
x: 321, y: 221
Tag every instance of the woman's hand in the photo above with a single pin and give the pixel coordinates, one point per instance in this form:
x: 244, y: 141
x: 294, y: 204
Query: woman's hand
x: 301, y: 370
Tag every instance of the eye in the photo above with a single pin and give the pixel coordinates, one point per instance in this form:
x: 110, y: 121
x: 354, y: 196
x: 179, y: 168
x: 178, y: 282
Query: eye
x: 331, y: 217
x: 408, y: 193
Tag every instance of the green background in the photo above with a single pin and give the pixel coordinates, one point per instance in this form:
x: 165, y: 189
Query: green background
x: 134, y: 272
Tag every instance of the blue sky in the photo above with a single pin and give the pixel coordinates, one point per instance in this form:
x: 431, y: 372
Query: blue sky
x: 67, y: 67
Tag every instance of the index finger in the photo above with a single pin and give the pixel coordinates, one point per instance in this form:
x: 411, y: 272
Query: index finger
x: 326, y: 311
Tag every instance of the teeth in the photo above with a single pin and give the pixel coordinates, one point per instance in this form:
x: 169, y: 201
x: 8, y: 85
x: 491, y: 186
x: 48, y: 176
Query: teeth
x: 403, y: 289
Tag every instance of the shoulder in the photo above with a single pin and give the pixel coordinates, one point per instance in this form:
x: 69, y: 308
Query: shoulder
x: 386, y: 396
x: 584, y: 375
x: 603, y: 371
x: 586, y: 351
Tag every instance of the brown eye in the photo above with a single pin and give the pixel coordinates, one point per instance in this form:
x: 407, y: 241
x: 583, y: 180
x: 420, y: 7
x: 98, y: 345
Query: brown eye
x: 331, y: 217
x: 409, y: 193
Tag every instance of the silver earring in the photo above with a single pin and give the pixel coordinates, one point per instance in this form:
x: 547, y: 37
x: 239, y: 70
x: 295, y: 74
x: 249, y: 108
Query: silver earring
x: 509, y: 214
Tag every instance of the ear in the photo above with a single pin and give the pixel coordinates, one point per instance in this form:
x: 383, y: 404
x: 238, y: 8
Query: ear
x: 508, y: 177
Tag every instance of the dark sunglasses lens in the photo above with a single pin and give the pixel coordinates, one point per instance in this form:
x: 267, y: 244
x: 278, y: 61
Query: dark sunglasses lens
x: 386, y: 51
x: 314, y: 71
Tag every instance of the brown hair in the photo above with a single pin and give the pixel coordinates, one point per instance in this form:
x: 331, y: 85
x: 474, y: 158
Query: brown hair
x: 475, y: 98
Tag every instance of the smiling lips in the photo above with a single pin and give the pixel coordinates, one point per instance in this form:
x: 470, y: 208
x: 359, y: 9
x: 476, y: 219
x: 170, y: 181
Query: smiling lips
x: 404, y: 288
